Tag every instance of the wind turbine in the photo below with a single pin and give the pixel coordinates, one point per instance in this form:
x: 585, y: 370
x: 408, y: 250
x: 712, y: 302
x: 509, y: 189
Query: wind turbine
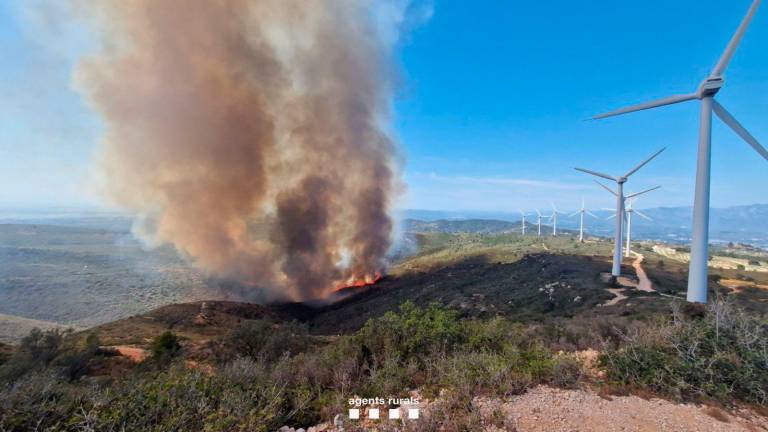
x: 581, y: 219
x: 522, y: 213
x: 538, y: 220
x: 697, y: 274
x: 618, y: 235
x: 629, y: 211
x: 553, y: 218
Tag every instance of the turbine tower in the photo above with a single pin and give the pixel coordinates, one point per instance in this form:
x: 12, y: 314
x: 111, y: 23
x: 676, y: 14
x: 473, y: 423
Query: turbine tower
x: 629, y: 211
x: 523, y: 214
x: 581, y: 219
x: 538, y: 220
x: 553, y: 218
x: 697, y: 274
x: 618, y: 235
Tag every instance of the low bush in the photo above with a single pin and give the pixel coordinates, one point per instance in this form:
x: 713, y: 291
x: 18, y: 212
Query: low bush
x: 272, y: 375
x: 268, y: 341
x: 720, y: 354
x: 165, y: 347
x: 54, y: 351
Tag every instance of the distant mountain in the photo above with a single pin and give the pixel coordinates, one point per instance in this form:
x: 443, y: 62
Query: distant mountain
x: 743, y: 224
x: 467, y: 225
x: 477, y: 226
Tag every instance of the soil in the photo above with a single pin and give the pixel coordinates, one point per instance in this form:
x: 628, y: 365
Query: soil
x: 546, y: 409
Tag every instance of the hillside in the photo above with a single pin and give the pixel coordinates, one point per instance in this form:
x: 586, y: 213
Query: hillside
x: 480, y: 328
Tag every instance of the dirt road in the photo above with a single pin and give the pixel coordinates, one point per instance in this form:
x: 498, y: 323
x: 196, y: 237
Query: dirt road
x: 644, y: 283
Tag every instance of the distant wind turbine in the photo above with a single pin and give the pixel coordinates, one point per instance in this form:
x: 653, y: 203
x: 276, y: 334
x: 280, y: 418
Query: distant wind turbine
x: 616, y: 270
x: 581, y: 219
x: 697, y: 274
x: 523, y: 214
x: 553, y: 218
x: 631, y: 200
x: 628, y: 213
x: 538, y: 220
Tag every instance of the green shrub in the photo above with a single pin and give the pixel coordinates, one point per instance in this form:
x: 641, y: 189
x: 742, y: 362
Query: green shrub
x: 413, y: 332
x: 74, y: 361
x: 566, y: 372
x: 165, y: 347
x: 267, y: 340
x: 274, y: 376
x: 53, y: 350
x: 722, y: 354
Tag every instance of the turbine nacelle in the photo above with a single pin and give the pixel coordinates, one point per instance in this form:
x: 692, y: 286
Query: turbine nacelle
x: 709, y: 87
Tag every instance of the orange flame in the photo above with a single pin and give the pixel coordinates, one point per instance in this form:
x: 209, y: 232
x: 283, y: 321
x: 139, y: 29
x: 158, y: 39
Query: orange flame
x: 359, y: 282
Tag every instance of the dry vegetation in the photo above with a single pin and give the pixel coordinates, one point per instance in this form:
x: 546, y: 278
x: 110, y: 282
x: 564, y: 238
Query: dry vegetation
x: 471, y: 317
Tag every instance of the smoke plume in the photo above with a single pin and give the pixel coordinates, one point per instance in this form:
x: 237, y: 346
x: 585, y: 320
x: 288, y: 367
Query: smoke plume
x: 250, y: 134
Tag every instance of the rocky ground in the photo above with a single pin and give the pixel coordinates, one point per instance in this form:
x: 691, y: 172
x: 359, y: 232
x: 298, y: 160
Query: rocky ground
x: 547, y: 409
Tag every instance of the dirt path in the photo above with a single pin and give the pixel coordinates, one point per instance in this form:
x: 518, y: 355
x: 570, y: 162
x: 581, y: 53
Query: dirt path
x: 644, y: 283
x: 547, y: 409
x: 135, y: 354
x: 618, y: 296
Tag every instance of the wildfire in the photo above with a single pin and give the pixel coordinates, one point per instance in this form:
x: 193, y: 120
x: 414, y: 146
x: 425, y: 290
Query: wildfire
x: 359, y: 282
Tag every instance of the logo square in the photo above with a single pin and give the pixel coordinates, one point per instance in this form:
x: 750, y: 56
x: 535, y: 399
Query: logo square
x: 373, y: 413
x: 394, y: 413
x: 413, y: 413
x: 354, y: 414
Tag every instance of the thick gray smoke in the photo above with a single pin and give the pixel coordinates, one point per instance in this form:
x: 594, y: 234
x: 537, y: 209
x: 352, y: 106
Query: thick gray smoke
x: 249, y: 133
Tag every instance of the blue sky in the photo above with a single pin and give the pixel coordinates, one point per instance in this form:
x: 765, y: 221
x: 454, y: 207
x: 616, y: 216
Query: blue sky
x: 491, y: 108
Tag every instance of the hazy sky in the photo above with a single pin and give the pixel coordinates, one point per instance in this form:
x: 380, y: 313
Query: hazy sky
x: 490, y: 113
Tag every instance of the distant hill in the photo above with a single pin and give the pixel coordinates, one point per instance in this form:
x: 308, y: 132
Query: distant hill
x: 743, y: 224
x: 474, y: 226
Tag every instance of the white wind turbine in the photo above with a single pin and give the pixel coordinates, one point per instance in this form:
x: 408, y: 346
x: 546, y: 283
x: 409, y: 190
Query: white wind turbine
x: 553, y: 218
x: 697, y: 274
x: 581, y: 219
x: 618, y: 235
x: 523, y: 214
x: 628, y: 213
x: 538, y: 221
x: 630, y: 210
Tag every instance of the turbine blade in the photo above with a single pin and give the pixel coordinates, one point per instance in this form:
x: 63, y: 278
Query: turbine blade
x: 607, y: 188
x: 642, y: 192
x: 735, y: 40
x: 590, y: 213
x: 726, y: 117
x: 611, y: 216
x: 538, y: 212
x: 595, y: 173
x: 634, y: 170
x: 573, y: 214
x: 648, y: 105
x: 641, y: 214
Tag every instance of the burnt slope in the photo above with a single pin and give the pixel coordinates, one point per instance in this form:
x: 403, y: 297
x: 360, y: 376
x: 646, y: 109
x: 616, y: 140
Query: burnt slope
x: 531, y: 288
